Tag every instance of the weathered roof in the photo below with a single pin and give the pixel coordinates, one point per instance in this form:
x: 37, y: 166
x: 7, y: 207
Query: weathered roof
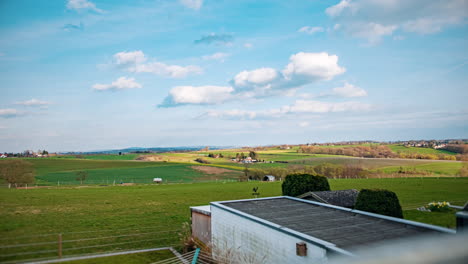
x: 345, y: 198
x: 343, y: 227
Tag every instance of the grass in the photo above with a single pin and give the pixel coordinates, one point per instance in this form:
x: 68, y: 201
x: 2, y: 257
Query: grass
x: 446, y: 168
x: 144, y: 209
x: 403, y: 149
x: 169, y: 173
x: 136, y: 258
x: 63, y: 171
x: 129, y: 156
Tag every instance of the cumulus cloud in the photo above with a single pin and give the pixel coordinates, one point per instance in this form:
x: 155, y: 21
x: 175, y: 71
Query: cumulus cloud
x: 311, y: 30
x: 337, y: 9
x: 313, y: 66
x: 214, y: 38
x: 121, y: 83
x: 137, y: 62
x: 349, y: 90
x: 303, y: 68
x: 298, y: 107
x: 83, y: 5
x: 375, y: 19
x: 219, y: 56
x: 183, y: 95
x: 33, y: 102
x: 193, y: 4
x: 9, y: 113
x: 260, y: 76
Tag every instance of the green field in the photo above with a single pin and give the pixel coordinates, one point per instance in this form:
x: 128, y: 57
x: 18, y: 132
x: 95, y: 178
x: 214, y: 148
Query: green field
x: 127, y: 156
x: 63, y: 172
x: 446, y: 168
x: 400, y: 148
x: 103, y: 212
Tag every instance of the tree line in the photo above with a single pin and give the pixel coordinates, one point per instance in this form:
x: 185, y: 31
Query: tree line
x: 375, y: 151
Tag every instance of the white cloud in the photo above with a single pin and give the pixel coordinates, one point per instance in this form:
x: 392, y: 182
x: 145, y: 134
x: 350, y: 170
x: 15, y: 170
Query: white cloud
x: 374, y: 19
x: 121, y: 83
x: 83, y: 4
x: 303, y: 68
x: 219, y: 56
x: 337, y: 9
x: 129, y: 58
x: 8, y: 113
x: 181, y: 95
x: 309, y: 106
x: 248, y: 45
x: 349, y: 90
x: 311, y: 30
x: 137, y: 62
x: 193, y: 4
x: 313, y: 66
x: 371, y: 31
x: 298, y: 107
x: 33, y: 102
x: 256, y: 77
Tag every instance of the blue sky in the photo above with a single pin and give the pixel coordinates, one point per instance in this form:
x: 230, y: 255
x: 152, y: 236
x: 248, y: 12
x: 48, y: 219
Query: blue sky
x: 87, y: 75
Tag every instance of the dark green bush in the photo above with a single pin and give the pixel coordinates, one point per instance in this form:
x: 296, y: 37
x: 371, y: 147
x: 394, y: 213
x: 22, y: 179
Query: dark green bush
x: 380, y: 202
x: 297, y: 184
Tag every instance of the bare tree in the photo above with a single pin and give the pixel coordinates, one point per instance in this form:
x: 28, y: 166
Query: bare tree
x: 17, y: 172
x: 81, y: 176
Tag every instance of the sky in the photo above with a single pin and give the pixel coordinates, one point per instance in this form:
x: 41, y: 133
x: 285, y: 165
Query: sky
x: 82, y: 75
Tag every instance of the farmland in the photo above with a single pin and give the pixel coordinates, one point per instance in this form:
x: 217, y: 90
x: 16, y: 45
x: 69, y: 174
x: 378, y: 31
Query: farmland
x: 117, y: 207
x: 103, y: 212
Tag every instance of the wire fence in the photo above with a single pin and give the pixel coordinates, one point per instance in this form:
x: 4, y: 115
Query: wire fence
x: 60, y: 245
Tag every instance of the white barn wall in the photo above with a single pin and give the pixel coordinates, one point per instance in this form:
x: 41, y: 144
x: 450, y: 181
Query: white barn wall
x: 262, y: 244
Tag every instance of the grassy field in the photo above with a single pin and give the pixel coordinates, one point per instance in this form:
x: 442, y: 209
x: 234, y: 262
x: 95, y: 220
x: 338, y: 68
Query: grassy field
x: 400, y: 148
x: 63, y: 171
x: 136, y: 258
x: 127, y: 156
x: 153, y: 212
x: 444, y: 168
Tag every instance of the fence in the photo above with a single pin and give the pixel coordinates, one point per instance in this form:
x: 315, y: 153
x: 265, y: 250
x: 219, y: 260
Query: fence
x: 67, y: 244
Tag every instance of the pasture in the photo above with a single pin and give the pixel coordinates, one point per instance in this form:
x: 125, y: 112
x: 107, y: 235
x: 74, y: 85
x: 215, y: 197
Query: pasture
x: 101, y: 218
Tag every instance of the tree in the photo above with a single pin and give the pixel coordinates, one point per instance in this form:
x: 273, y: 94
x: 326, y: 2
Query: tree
x: 253, y: 155
x: 17, y: 172
x: 380, y: 202
x: 297, y: 184
x: 81, y: 176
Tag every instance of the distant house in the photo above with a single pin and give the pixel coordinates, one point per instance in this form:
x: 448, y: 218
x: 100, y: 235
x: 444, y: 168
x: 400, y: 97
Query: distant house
x: 2, y: 156
x: 269, y: 178
x: 157, y: 180
x: 343, y: 198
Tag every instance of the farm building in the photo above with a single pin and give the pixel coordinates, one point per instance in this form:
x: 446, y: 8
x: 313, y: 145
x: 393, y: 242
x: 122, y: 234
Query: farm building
x: 292, y: 230
x: 269, y: 178
x: 343, y: 198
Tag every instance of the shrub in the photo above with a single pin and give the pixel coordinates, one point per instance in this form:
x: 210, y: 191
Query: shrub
x: 204, y: 161
x: 380, y: 202
x: 297, y: 184
x: 438, y: 207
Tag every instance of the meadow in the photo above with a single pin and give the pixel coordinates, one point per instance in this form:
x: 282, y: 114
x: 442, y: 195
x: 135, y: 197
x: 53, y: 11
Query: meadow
x: 144, y: 216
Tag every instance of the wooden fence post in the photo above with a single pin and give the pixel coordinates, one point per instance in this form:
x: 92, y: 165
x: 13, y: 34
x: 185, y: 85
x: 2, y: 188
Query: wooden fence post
x: 60, y: 245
